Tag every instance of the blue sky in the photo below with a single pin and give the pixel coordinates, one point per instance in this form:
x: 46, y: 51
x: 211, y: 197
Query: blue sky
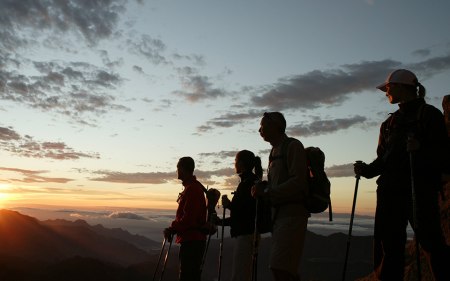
x: 100, y: 99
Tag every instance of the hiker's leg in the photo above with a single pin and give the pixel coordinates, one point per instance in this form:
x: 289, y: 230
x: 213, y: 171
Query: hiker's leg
x: 191, y: 255
x: 430, y: 235
x: 242, y: 258
x: 391, y: 220
x: 281, y: 275
x: 288, y: 238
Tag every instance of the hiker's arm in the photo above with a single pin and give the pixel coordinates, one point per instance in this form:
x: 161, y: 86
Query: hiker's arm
x: 295, y: 188
x: 434, y: 148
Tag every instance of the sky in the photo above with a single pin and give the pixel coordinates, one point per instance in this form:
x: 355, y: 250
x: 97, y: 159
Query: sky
x: 99, y: 99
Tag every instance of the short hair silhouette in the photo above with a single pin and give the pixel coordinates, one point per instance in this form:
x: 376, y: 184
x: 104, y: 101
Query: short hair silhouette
x: 276, y: 118
x: 187, y: 164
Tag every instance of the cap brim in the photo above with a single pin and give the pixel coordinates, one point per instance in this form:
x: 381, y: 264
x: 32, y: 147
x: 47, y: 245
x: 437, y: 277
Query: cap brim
x: 382, y: 87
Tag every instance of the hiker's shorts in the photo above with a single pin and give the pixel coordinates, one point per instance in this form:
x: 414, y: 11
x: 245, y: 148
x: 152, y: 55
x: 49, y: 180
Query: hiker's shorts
x: 288, y: 237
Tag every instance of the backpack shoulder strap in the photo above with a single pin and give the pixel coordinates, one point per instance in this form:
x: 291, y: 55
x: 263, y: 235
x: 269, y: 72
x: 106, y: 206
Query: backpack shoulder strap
x: 283, y: 153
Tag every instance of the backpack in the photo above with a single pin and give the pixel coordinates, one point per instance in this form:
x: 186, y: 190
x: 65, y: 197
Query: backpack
x: 318, y: 199
x: 212, y: 197
x: 319, y: 186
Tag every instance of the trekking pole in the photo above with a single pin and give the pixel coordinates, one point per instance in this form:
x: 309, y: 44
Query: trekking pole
x: 255, y: 246
x: 221, y: 244
x: 166, y: 258
x: 357, y: 176
x: 415, y: 227
x: 206, y: 248
x: 159, y: 259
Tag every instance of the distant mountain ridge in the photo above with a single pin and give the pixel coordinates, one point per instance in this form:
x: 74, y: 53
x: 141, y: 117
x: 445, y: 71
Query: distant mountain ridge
x: 26, y: 237
x: 78, y: 251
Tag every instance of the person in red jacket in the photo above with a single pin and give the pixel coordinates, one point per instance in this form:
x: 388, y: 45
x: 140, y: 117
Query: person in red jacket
x: 190, y: 217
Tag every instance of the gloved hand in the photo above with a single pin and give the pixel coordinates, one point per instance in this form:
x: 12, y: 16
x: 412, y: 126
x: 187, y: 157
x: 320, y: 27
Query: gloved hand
x: 359, y: 168
x: 168, y: 233
x: 226, y: 202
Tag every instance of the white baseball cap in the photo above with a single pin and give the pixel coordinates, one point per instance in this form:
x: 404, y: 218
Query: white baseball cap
x: 400, y: 76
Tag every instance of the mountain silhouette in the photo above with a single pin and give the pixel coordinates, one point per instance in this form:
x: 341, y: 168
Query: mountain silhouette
x: 33, y: 250
x: 52, y: 241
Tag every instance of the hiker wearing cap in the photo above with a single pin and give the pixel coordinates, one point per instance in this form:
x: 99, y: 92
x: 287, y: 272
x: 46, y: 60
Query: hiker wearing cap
x: 410, y: 158
x: 242, y: 214
x: 189, y: 220
x: 286, y: 190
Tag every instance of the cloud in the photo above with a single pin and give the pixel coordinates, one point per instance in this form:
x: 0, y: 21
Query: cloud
x: 229, y: 120
x: 93, y: 20
x: 69, y: 88
x: 221, y: 154
x: 334, y: 86
x: 120, y: 177
x: 323, y: 87
x: 25, y: 146
x: 430, y: 67
x: 157, y: 177
x: 338, y: 171
x: 422, y: 52
x: 321, y: 127
x: 72, y: 89
x: 196, y: 87
x: 320, y: 88
x: 150, y: 48
x: 126, y: 215
x: 31, y: 176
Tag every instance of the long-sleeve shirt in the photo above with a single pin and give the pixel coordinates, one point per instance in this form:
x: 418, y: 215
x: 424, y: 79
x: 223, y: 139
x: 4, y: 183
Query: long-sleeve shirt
x: 191, y: 212
x: 242, y: 215
x: 426, y: 124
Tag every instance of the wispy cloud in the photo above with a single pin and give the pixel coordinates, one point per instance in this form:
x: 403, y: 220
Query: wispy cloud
x: 31, y: 176
x: 93, y: 20
x: 69, y: 88
x: 196, y: 87
x: 121, y: 177
x: 157, y: 177
x: 321, y: 127
x: 334, y: 86
x: 150, y: 48
x: 337, y: 171
x: 229, y: 120
x: 25, y: 146
x: 322, y: 88
x: 126, y: 215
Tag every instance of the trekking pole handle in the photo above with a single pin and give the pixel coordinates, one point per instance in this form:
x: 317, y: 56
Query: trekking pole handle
x: 358, y: 176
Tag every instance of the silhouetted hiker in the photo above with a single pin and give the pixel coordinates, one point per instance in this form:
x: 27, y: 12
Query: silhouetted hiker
x: 242, y: 214
x: 190, y: 218
x: 286, y: 189
x: 415, y: 130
